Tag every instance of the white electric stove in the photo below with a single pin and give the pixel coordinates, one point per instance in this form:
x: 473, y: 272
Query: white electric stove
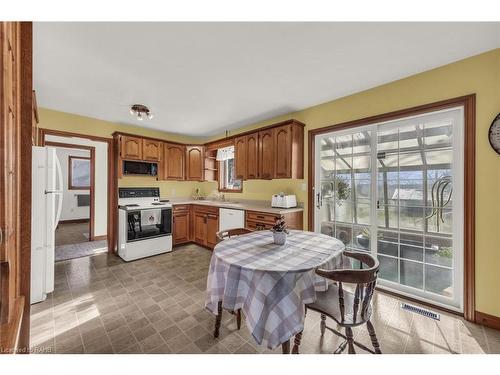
x: 145, y: 223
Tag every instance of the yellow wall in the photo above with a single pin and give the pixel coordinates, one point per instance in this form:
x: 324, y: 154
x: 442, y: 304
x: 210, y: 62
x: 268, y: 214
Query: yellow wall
x: 479, y: 74
x: 56, y: 120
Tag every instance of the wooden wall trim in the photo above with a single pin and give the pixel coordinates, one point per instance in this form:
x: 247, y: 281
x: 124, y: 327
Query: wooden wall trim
x: 468, y: 102
x: 61, y: 133
x: 74, y: 221
x: 487, y: 320
x: 11, y: 339
x: 26, y: 102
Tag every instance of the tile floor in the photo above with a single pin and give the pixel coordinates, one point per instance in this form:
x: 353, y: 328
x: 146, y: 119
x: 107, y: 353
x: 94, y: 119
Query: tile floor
x: 155, y: 305
x: 70, y: 233
x: 78, y: 250
x: 72, y: 241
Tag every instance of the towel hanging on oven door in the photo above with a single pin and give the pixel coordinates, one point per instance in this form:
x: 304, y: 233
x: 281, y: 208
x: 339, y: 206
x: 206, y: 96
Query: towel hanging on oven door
x: 151, y: 217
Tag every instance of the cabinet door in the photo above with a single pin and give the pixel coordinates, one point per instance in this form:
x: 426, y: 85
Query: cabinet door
x: 194, y: 163
x: 283, y: 151
x: 200, y: 228
x: 131, y: 147
x: 151, y: 150
x: 212, y: 229
x: 173, y: 161
x: 266, y: 154
x: 180, y: 233
x: 240, y: 157
x: 252, y: 156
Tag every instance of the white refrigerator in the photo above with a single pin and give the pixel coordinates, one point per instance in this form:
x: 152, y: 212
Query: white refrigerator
x: 46, y: 205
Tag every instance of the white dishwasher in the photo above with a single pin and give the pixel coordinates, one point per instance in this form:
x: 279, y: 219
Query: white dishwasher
x: 230, y: 218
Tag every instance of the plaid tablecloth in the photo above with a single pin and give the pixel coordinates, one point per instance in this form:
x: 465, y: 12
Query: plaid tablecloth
x: 270, y: 283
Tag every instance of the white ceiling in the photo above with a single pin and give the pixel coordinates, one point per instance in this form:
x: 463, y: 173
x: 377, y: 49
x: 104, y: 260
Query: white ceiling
x: 202, y: 78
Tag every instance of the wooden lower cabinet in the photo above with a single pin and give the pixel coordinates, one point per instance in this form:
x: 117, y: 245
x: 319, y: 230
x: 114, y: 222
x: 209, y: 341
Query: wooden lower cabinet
x: 181, y: 227
x: 200, y: 224
x: 255, y: 220
x: 212, y: 229
x: 200, y: 228
x: 193, y: 223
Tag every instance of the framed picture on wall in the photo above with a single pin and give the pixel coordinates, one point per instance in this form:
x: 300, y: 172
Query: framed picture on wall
x: 78, y: 173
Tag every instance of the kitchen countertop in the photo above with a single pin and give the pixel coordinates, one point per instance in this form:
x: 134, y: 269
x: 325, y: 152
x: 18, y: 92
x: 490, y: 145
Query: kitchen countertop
x: 247, y: 205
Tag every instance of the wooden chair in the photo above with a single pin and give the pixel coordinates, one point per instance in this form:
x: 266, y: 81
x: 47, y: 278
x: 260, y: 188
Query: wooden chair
x: 221, y: 236
x: 346, y: 308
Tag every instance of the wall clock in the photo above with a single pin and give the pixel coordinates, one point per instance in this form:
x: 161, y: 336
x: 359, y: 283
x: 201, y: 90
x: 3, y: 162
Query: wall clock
x: 494, y: 134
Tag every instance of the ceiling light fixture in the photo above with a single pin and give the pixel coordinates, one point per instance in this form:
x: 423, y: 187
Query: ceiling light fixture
x: 140, y: 111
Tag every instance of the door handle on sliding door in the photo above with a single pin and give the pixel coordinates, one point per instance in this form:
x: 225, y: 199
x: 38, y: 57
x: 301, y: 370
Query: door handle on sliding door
x: 318, y: 200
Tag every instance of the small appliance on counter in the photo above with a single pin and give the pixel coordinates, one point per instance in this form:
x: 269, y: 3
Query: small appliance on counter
x: 283, y: 200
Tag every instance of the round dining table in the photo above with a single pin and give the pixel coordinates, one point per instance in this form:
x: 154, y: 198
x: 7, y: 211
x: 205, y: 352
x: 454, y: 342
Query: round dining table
x: 271, y: 283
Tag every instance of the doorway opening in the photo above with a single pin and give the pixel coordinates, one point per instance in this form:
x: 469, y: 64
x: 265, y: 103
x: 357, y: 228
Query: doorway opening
x: 79, y: 232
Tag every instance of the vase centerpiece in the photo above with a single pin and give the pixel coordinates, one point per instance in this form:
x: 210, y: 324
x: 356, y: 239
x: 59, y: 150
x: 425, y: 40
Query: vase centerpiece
x: 279, y: 231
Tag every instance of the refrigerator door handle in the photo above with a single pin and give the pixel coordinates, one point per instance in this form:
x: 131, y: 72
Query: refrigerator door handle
x: 53, y: 191
x: 59, y: 206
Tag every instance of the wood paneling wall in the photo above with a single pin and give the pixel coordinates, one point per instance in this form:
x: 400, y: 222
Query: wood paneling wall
x: 16, y: 98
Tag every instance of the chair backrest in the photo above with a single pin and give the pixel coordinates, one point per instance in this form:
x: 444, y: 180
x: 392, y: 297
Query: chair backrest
x: 364, y: 278
x: 223, y: 234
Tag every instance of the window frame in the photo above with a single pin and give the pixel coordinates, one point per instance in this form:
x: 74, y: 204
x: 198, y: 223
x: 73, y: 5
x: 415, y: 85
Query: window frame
x: 70, y: 173
x: 222, y: 179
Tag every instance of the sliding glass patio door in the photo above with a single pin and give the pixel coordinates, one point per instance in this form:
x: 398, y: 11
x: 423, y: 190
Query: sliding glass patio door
x: 395, y: 189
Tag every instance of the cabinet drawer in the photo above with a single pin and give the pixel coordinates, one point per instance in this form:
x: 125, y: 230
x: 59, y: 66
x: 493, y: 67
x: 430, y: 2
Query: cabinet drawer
x: 181, y: 207
x: 206, y: 209
x: 262, y: 217
x: 258, y: 225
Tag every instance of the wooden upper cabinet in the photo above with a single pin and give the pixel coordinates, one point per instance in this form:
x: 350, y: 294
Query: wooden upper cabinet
x: 174, y: 161
x: 289, y: 151
x: 266, y: 154
x: 240, y: 157
x: 283, y: 151
x: 131, y: 147
x: 151, y: 150
x: 252, y: 157
x: 194, y: 163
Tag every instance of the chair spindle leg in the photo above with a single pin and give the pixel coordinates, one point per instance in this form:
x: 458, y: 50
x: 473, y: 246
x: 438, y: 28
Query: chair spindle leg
x: 218, y: 319
x: 373, y: 337
x: 238, y: 318
x: 350, y: 340
x: 296, y: 343
x: 322, y: 325
x: 285, y: 347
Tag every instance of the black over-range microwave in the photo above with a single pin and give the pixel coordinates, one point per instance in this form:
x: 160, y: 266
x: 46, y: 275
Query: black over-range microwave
x: 140, y: 168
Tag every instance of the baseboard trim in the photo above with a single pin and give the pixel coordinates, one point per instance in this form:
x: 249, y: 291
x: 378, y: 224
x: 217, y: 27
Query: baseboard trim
x: 488, y: 320
x: 100, y: 238
x: 74, y: 221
